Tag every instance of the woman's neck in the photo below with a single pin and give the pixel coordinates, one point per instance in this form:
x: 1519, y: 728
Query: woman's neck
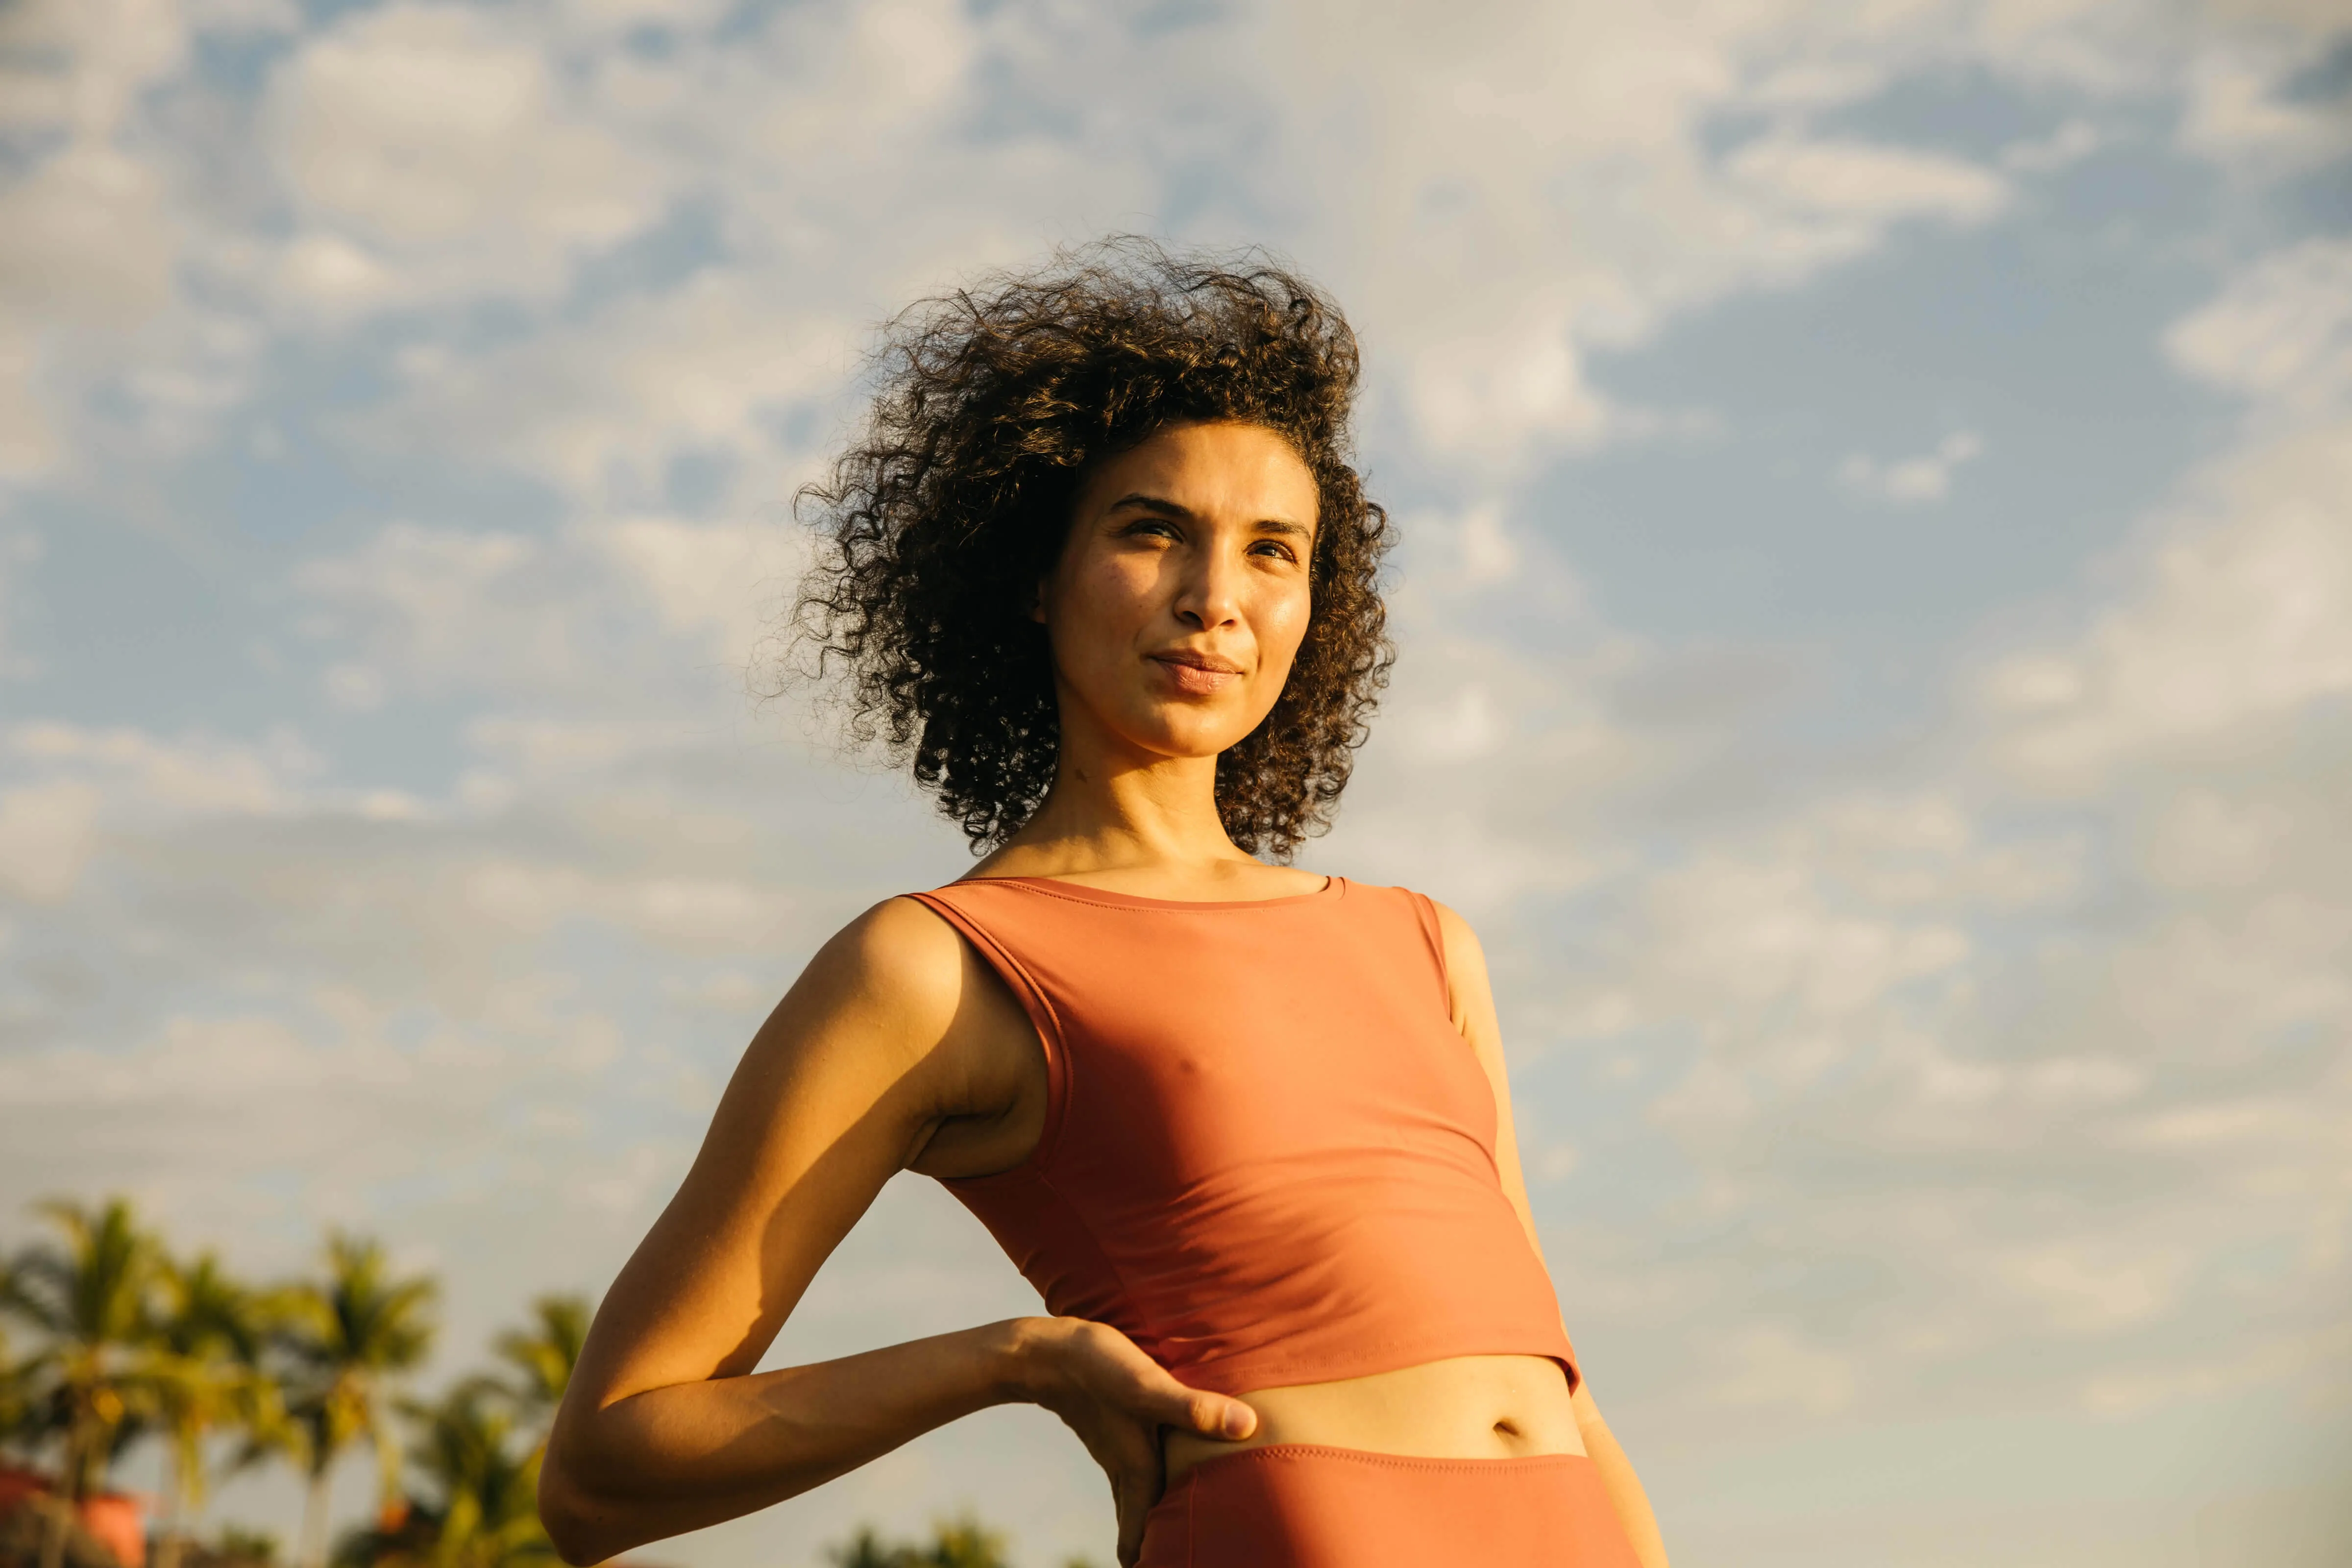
x: 1105, y: 814
x: 1136, y: 822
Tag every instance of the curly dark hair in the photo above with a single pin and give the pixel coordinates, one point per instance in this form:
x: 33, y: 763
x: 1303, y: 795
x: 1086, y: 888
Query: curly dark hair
x: 942, y: 517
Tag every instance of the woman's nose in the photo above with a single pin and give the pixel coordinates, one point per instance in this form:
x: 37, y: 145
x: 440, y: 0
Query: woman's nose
x: 1211, y: 591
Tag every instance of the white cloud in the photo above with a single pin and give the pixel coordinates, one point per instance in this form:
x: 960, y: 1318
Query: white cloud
x: 541, y: 748
x: 241, y: 1127
x: 2281, y: 331
x: 1770, y: 936
x: 2069, y: 144
x: 603, y: 410
x: 702, y: 915
x: 1506, y: 395
x: 354, y: 688
x: 722, y: 581
x: 199, y: 777
x: 1488, y: 766
x: 1908, y: 482
x: 417, y: 609
x: 2241, y: 114
x: 28, y: 438
x: 18, y: 552
x: 1862, y: 182
x: 436, y: 149
x: 2203, y: 838
x: 79, y: 67
x: 2085, y: 1295
x: 336, y: 275
x: 2241, y: 623
x: 615, y: 15
x: 2238, y: 628
x: 91, y: 238
x: 226, y: 868
x: 248, y: 16
x: 1518, y: 186
x: 46, y: 832
x: 2162, y: 990
x: 1773, y: 1368
x: 433, y: 608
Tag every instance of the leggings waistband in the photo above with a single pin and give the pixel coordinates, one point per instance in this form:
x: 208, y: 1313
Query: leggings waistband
x: 1311, y: 1505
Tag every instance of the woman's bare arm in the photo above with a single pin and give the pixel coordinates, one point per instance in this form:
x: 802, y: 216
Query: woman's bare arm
x: 1475, y: 1015
x: 892, y: 1033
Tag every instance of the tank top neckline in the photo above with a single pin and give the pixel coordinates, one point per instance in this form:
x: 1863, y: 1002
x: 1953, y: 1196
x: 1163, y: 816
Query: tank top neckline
x: 1334, y: 887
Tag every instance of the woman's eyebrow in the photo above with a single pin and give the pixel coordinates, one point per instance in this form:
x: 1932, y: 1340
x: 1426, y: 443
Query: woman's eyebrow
x: 1160, y: 504
x: 1144, y: 501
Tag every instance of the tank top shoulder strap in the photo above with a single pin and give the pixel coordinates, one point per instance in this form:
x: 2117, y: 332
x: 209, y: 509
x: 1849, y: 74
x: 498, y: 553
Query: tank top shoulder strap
x: 1424, y: 910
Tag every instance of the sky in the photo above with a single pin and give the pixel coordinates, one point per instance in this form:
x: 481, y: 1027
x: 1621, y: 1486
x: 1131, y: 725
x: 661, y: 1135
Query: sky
x: 1874, y: 617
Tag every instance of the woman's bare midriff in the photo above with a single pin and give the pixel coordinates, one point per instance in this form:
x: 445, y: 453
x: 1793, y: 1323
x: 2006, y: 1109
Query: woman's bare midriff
x: 1464, y: 1407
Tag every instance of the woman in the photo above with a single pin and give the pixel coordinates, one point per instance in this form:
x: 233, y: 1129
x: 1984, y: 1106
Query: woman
x: 1101, y: 570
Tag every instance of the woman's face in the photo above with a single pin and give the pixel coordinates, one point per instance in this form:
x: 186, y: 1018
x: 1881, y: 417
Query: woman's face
x: 1180, y: 597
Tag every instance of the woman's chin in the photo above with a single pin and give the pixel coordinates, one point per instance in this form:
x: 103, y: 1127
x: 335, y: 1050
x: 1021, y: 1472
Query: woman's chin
x: 1181, y: 736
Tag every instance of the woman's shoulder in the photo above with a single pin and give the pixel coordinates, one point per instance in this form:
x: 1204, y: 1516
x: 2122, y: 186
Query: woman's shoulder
x: 899, y: 951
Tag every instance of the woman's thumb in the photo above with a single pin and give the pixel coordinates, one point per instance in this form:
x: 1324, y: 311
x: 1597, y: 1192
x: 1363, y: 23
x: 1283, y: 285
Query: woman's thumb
x: 1215, y: 1415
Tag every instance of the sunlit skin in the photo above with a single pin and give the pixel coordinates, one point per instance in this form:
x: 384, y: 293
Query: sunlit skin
x: 1175, y: 610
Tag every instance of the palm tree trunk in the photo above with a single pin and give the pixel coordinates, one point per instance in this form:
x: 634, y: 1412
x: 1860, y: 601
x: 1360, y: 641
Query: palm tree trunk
x: 387, y: 1472
x: 173, y: 1528
x: 61, y: 1501
x: 314, y: 1521
x: 53, y: 1532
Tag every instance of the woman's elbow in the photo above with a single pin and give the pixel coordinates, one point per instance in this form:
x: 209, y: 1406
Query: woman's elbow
x: 578, y: 1522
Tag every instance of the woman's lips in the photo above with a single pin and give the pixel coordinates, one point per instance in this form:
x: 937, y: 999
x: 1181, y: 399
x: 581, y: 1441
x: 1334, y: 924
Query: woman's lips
x: 1195, y: 675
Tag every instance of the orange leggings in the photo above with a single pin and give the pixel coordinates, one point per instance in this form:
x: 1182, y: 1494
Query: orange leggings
x: 1302, y: 1505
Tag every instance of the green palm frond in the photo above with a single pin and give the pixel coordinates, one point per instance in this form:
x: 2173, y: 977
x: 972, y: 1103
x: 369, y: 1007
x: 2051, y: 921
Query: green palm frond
x: 346, y: 1337
x: 88, y: 1391
x: 961, y: 1543
x: 545, y: 1353
x: 480, y: 1485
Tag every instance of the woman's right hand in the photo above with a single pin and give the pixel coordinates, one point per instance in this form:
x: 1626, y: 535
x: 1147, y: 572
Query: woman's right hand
x: 1117, y: 1399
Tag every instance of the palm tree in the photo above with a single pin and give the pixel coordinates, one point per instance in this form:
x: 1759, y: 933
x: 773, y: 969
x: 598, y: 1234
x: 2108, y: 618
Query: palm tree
x: 347, y: 1336
x: 16, y: 1410
x: 955, y: 1543
x: 207, y: 1376
x: 90, y: 1297
x: 542, y: 1356
x: 481, y: 1507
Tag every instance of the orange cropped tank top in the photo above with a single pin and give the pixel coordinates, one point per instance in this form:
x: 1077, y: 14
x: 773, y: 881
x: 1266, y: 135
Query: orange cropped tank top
x: 1268, y: 1156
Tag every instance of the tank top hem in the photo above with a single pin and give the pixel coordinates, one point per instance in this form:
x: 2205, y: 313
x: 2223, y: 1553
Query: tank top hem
x: 1243, y: 1376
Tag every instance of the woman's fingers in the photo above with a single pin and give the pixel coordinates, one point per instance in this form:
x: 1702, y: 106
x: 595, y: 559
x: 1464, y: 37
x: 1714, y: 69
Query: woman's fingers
x: 1118, y: 1400
x: 1134, y: 1486
x: 1198, y: 1410
x: 1134, y: 1507
x: 1137, y: 1484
